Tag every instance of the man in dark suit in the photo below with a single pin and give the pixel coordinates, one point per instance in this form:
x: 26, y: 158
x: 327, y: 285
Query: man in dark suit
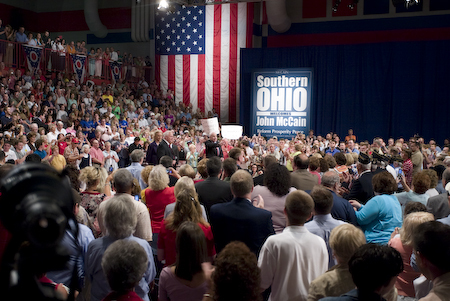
x: 439, y: 204
x: 40, y: 121
x: 167, y: 162
x: 361, y: 189
x: 212, y: 147
x: 165, y: 146
x: 341, y: 210
x: 239, y: 219
x: 212, y: 190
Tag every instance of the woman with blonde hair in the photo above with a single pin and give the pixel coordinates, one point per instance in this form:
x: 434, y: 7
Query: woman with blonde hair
x: 201, y: 169
x: 187, y: 208
x: 187, y: 170
x: 95, y: 178
x: 344, y: 241
x: 184, y: 183
x: 157, y: 196
x: 403, y: 242
x: 145, y: 174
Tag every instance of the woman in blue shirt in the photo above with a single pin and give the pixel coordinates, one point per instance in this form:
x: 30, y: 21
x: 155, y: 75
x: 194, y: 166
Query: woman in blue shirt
x: 380, y: 216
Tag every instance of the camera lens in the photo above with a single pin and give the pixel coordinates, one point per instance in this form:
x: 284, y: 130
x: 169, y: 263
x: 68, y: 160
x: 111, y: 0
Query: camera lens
x: 45, y: 223
x: 36, y: 203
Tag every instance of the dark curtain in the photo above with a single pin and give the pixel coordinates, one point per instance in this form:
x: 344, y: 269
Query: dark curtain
x: 393, y: 89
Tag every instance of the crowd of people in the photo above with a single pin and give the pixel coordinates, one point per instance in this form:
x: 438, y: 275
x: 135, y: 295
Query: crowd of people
x: 57, y: 52
x: 205, y: 217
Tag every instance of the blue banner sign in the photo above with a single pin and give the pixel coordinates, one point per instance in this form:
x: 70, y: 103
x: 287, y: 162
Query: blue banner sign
x: 281, y: 102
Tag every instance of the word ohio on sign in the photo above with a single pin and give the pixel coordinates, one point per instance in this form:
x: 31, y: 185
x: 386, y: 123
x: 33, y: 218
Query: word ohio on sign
x: 281, y: 102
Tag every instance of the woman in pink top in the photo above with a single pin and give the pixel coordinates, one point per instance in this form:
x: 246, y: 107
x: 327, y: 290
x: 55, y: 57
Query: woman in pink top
x: 185, y: 280
x: 277, y: 185
x: 403, y: 243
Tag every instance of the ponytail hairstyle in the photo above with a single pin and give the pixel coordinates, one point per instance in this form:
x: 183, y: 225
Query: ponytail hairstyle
x: 187, y: 208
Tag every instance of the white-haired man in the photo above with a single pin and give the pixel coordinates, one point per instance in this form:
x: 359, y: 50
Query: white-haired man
x: 212, y: 146
x: 165, y: 146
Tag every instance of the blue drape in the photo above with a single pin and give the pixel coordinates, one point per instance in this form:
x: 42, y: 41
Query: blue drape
x: 394, y: 89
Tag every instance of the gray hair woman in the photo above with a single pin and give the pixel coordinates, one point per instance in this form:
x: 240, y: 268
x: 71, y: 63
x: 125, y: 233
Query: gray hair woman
x: 158, y: 178
x: 120, y: 221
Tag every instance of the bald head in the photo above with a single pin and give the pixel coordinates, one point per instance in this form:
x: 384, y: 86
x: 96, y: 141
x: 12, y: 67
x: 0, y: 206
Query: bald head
x: 301, y: 161
x: 330, y: 179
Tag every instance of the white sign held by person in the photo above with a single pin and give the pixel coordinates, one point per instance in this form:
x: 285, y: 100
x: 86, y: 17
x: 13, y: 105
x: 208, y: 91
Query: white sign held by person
x: 232, y: 131
x: 210, y: 125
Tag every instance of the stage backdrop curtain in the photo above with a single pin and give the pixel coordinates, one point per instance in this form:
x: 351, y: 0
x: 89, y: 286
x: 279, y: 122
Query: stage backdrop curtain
x: 392, y: 89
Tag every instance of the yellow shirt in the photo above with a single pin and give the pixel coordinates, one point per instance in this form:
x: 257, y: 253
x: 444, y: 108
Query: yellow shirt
x: 108, y: 98
x: 289, y: 165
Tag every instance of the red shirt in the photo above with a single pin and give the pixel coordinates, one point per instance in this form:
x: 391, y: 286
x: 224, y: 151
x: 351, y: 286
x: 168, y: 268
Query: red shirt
x: 62, y: 146
x: 166, y: 242
x: 156, y: 202
x: 408, y: 171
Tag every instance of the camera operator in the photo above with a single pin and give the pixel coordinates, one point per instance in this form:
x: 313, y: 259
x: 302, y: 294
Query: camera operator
x: 76, y: 259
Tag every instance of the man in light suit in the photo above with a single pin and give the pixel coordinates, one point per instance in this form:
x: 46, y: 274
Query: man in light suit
x: 165, y: 146
x: 301, y: 178
x: 239, y: 219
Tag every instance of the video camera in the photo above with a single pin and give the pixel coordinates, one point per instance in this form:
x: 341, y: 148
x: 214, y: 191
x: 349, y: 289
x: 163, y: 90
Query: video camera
x: 36, y: 205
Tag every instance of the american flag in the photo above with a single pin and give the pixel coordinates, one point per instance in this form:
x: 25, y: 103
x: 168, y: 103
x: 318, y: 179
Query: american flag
x: 198, y: 52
